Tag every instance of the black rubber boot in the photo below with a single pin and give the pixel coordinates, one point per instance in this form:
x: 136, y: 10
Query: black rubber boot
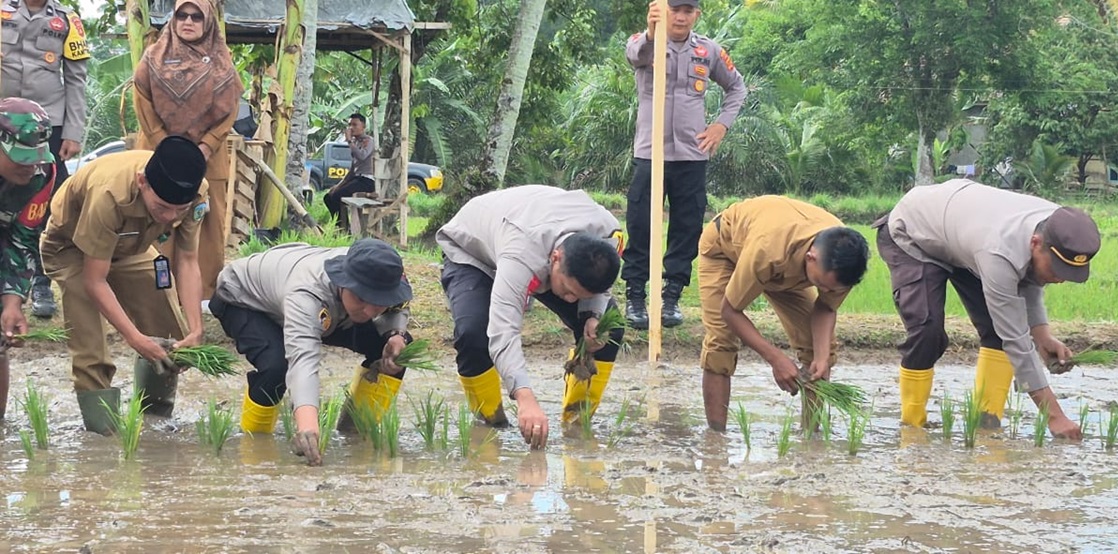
x: 636, y: 307
x: 158, y: 390
x: 671, y: 316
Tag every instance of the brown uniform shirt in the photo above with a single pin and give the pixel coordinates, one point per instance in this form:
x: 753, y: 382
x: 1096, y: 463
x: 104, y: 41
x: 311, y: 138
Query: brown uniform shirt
x: 768, y: 238
x: 99, y: 211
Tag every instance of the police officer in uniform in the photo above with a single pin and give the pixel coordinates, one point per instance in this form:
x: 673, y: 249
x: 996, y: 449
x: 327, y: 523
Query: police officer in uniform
x: 26, y: 180
x: 504, y: 248
x: 44, y: 45
x: 693, y: 62
x: 280, y: 306
x: 99, y: 246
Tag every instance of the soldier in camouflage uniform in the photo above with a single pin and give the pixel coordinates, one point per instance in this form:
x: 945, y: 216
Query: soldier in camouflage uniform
x: 44, y: 60
x: 26, y: 181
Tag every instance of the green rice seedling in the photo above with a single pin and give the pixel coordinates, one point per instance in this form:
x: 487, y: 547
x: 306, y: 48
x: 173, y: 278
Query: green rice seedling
x: 366, y: 421
x: 49, y: 334
x: 215, y: 426
x: 845, y: 398
x: 972, y: 417
x: 328, y: 419
x: 465, y: 424
x: 856, y: 431
x: 582, y: 364
x: 1095, y: 357
x: 417, y: 355
x: 1084, y: 413
x: 1015, y: 413
x: 947, y: 416
x: 210, y: 360
x: 745, y: 424
x: 35, y: 405
x: 622, y: 425
x: 784, y: 440
x: 287, y: 417
x: 427, y: 418
x: 586, y: 421
x: 823, y: 422
x: 390, y: 430
x: 1040, y: 426
x: 129, y: 421
x: 1109, y: 432
x: 25, y: 441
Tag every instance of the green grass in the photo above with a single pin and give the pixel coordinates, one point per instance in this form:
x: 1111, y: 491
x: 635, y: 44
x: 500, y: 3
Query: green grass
x: 215, y: 426
x: 427, y: 415
x: 947, y: 416
x: 784, y: 439
x: 129, y: 422
x: 745, y: 423
x: 1040, y: 426
x: 972, y: 417
x: 211, y: 360
x: 35, y: 405
x: 328, y: 420
x: 1109, y: 431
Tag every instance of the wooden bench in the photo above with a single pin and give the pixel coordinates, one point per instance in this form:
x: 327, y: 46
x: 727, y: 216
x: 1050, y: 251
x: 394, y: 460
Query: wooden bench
x: 367, y: 217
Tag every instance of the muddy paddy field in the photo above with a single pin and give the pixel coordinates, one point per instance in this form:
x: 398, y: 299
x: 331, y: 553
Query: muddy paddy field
x: 657, y: 482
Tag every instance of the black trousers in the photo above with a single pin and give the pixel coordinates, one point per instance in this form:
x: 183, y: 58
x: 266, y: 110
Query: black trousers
x: 349, y: 186
x: 469, y: 289
x: 919, y: 294
x: 686, y: 191
x: 60, y: 175
x: 261, y: 341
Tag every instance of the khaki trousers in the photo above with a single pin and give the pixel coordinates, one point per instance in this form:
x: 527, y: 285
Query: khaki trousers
x: 155, y: 312
x: 720, y: 343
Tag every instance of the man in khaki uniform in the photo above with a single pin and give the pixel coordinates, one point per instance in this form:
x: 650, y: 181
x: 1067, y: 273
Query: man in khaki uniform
x: 782, y: 249
x: 99, y: 245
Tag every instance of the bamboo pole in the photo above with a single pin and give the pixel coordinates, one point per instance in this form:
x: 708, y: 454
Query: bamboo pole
x: 405, y: 124
x: 290, y: 51
x: 656, y: 223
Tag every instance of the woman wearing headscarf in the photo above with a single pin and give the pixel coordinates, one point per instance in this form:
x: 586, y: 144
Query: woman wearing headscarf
x: 186, y: 85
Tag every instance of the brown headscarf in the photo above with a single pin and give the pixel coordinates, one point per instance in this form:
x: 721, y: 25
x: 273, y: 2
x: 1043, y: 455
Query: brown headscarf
x: 193, y: 86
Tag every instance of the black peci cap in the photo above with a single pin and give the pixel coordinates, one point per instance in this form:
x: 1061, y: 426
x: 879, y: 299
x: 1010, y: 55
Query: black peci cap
x: 175, y: 170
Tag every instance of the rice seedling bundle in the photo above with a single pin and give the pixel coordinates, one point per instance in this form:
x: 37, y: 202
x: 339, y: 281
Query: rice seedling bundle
x: 582, y: 364
x: 848, y: 399
x: 210, y: 360
x: 417, y: 355
x: 49, y: 334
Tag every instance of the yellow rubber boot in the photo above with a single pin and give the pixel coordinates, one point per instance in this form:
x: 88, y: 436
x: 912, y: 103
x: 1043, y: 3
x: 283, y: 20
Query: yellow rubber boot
x: 916, y: 387
x: 483, y: 396
x: 256, y: 418
x: 378, y: 394
x: 578, y: 392
x: 992, y: 378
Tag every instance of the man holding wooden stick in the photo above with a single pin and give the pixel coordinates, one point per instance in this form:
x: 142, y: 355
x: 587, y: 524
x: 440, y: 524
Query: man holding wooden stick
x: 803, y: 260
x: 998, y: 249
x: 694, y: 61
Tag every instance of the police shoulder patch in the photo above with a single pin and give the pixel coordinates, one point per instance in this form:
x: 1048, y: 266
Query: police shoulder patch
x: 200, y: 211
x: 324, y: 319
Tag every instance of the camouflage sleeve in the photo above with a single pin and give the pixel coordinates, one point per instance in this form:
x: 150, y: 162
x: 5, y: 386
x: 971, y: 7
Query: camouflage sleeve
x: 19, y: 245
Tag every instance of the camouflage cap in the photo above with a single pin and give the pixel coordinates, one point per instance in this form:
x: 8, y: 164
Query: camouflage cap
x: 25, y: 131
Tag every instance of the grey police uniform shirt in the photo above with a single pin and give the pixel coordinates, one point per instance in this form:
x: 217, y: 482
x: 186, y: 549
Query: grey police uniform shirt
x: 510, y: 234
x: 692, y: 65
x: 289, y: 283
x: 964, y: 224
x: 44, y: 60
x: 361, y: 150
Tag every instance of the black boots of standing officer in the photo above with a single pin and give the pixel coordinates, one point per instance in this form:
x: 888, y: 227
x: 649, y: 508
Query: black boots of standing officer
x: 636, y: 305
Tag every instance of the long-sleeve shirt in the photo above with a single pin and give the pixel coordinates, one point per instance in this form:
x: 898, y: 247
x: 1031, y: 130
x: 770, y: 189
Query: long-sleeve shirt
x: 152, y: 130
x: 361, y: 149
x: 964, y: 224
x: 23, y: 211
x: 289, y: 283
x: 692, y: 65
x: 510, y: 234
x: 44, y: 59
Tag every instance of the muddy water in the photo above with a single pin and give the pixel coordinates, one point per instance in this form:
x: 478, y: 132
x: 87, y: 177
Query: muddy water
x: 667, y: 486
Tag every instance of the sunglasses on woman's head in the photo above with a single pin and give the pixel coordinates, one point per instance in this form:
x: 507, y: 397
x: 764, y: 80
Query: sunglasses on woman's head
x: 193, y: 16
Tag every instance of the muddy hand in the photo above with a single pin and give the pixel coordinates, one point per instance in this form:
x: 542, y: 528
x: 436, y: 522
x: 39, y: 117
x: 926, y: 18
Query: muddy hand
x: 1064, y: 428
x: 787, y: 375
x: 305, y: 443
x: 164, y: 365
x: 1056, y: 367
